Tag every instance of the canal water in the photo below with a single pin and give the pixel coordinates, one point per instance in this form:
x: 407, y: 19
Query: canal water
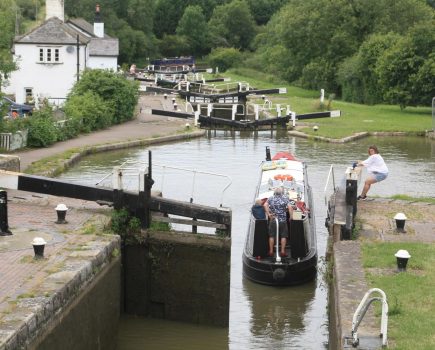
x: 261, y: 317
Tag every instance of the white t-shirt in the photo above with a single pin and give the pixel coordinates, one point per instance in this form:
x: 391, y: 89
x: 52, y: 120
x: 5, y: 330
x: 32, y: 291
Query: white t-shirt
x: 375, y: 164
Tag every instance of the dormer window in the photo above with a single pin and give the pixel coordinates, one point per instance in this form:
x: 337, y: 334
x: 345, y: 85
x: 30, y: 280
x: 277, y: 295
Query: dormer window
x: 49, y: 55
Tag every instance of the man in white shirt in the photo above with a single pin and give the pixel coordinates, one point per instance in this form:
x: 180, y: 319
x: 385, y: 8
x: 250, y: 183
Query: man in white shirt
x: 376, y: 168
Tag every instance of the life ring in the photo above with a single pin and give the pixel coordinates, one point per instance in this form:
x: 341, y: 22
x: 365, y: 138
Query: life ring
x: 283, y: 177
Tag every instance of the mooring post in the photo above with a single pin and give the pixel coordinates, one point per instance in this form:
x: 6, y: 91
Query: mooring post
x: 4, y: 227
x: 118, y: 195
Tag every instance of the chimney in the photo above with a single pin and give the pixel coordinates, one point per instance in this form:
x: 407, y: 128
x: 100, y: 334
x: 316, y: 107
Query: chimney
x: 98, y: 23
x: 54, y: 8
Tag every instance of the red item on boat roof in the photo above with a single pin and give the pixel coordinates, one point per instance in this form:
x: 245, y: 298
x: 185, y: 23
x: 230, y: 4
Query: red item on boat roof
x: 285, y: 155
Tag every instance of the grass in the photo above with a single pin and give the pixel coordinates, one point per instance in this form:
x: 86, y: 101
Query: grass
x: 404, y: 197
x: 354, y: 118
x: 409, y: 294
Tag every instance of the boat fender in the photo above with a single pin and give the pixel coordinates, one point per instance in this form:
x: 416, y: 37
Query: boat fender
x: 278, y: 274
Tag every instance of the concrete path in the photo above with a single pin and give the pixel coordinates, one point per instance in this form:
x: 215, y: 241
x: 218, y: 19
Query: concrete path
x: 145, y: 125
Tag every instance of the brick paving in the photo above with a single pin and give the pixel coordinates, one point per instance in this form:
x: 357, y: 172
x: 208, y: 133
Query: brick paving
x: 32, y: 216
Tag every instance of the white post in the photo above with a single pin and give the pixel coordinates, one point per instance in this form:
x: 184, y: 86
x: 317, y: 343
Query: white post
x: 322, y: 95
x: 195, y: 122
x: 117, y: 178
x: 256, y: 111
x: 209, y: 109
x: 293, y: 119
x: 278, y: 110
x: 277, y: 257
x: 234, y: 111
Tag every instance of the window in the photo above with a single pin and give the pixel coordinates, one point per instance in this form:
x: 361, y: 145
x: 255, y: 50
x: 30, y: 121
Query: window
x: 29, y: 95
x: 49, y: 55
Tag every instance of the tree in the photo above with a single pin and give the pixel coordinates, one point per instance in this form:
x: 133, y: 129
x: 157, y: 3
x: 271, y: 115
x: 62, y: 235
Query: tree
x: 194, y: 27
x: 174, y: 45
x: 232, y: 25
x: 263, y: 10
x: 7, y: 30
x: 406, y: 69
x: 166, y: 16
x: 357, y: 74
x: 140, y: 15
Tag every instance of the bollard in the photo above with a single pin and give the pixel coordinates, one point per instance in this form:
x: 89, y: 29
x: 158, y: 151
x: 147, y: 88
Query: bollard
x: 402, y: 257
x: 4, y: 227
x: 400, y: 222
x: 61, y: 210
x: 38, y: 247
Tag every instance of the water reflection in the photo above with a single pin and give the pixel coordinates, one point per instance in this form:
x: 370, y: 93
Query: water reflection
x: 277, y: 312
x: 260, y: 317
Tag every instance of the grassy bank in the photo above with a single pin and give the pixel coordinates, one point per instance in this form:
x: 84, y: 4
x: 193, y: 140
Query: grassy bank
x: 354, y: 118
x: 410, y: 293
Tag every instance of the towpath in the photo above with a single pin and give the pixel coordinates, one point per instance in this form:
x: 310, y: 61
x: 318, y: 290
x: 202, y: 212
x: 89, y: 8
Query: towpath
x: 144, y: 125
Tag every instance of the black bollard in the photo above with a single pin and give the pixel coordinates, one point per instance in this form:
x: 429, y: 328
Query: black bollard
x: 4, y: 227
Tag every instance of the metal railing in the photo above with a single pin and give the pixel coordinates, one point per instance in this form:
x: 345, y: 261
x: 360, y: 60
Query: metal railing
x: 330, y: 178
x: 130, y: 171
x: 361, y: 311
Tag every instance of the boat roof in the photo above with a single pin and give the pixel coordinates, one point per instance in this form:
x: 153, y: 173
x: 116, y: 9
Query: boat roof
x: 283, y: 167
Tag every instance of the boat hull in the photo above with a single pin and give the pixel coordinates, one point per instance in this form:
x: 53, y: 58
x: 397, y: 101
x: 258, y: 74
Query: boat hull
x: 274, y: 274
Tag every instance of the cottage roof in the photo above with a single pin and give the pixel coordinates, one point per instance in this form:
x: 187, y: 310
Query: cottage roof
x: 104, y: 47
x: 52, y: 31
x: 55, y: 31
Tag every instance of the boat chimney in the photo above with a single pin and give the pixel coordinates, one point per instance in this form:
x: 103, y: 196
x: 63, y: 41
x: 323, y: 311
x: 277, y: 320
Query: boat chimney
x: 268, y: 157
x: 98, y: 23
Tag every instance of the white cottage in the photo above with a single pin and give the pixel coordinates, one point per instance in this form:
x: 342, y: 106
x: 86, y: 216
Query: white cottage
x: 51, y: 57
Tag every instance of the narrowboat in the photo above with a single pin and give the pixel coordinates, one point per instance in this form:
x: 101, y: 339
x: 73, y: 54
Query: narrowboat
x: 299, y: 262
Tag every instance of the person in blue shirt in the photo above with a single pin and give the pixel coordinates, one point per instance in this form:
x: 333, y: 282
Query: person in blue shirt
x: 277, y: 206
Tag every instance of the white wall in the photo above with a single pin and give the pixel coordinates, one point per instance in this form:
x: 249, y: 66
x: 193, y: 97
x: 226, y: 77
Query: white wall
x: 46, y: 79
x: 100, y: 62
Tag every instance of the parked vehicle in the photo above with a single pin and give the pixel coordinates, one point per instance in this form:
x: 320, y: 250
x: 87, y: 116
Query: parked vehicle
x: 13, y: 109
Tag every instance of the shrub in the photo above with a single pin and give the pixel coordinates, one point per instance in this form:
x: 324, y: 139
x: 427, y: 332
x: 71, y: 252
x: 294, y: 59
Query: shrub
x: 224, y: 58
x: 42, y: 131
x: 121, y: 95
x: 87, y: 112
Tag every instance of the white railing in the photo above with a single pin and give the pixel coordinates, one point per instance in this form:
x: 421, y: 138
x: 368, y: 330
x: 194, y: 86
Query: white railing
x: 130, y: 173
x: 330, y: 178
x: 361, y: 311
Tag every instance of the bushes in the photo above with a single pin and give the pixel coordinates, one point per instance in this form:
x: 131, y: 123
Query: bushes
x: 86, y: 113
x: 224, y: 58
x: 120, y: 95
x: 42, y: 131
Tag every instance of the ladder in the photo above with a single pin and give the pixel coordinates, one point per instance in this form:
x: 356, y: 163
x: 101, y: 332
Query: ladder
x: 361, y: 311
